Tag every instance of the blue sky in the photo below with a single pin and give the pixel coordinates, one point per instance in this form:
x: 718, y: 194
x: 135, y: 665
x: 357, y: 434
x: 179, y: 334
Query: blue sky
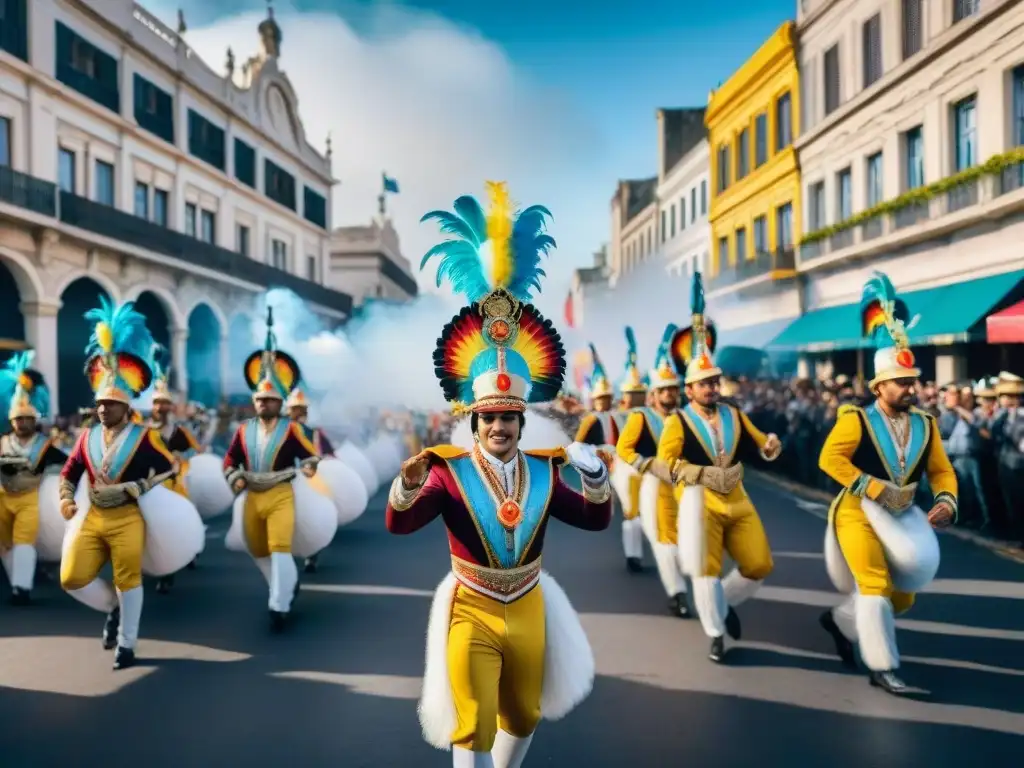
x: 595, y: 72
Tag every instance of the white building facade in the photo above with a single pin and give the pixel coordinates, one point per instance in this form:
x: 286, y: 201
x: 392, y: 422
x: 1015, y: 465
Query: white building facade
x: 131, y: 169
x: 367, y: 262
x: 911, y: 163
x: 685, y: 235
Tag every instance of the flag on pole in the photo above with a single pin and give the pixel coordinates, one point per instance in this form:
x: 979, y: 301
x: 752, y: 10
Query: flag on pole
x: 390, y: 185
x: 570, y: 315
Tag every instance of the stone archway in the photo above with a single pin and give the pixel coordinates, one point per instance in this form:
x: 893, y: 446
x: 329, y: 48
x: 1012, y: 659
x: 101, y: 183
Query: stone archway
x: 159, y: 322
x: 203, y: 356
x: 12, y: 322
x: 73, y: 333
x: 240, y: 346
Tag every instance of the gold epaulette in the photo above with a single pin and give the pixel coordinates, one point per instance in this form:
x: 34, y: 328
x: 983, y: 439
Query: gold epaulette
x: 848, y: 408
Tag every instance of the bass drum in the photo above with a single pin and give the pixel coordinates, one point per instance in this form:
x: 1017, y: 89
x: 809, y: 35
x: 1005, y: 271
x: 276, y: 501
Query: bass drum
x: 207, y: 487
x: 346, y: 489
x: 355, y: 458
x: 50, y: 539
x: 316, y: 521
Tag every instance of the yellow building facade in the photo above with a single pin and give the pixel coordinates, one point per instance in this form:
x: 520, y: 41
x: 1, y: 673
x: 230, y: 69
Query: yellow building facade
x: 753, y: 120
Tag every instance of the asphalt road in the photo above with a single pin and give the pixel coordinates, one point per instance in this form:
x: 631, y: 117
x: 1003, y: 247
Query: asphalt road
x: 340, y: 687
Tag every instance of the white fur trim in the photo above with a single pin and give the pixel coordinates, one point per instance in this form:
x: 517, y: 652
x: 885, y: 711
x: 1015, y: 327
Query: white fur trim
x: 835, y: 564
x: 175, y: 534
x: 910, y: 544
x: 738, y: 588
x: 845, y: 617
x: 632, y: 538
x: 709, y: 598
x: 876, y: 629
x: 22, y: 571
x: 620, y: 477
x: 690, y: 531
x: 97, y: 594
x: 649, y: 486
x: 666, y: 557
x: 234, y: 540
x: 568, y: 661
x: 316, y: 519
x: 51, y: 523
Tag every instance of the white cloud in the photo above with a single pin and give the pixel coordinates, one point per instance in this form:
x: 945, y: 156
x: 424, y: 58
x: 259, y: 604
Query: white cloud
x: 441, y: 109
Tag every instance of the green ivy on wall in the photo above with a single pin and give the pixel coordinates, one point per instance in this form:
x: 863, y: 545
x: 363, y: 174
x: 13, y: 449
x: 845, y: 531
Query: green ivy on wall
x: 991, y: 167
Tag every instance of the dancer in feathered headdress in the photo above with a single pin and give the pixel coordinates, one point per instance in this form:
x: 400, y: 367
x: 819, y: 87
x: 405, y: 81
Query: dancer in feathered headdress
x: 703, y: 446
x: 124, y: 462
x: 261, y: 466
x: 638, y: 447
x: 25, y: 455
x: 494, y: 357
x: 879, y: 546
x: 598, y: 428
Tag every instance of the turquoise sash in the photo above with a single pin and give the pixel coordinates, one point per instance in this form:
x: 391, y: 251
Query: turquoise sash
x: 484, y: 507
x: 120, y: 453
x: 35, y: 450
x: 729, y: 421
x: 882, y: 438
x: 655, y: 422
x: 263, y: 460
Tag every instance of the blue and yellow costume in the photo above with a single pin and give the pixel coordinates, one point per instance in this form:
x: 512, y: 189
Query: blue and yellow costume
x: 297, y: 406
x: 502, y: 636
x: 879, y: 546
x: 703, y: 445
x: 262, y: 459
x: 25, y: 454
x: 177, y: 437
x: 122, y: 462
x: 638, y: 447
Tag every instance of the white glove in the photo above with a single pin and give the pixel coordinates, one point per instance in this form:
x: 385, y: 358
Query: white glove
x: 584, y: 457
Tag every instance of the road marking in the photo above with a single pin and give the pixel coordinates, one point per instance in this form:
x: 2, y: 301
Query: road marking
x: 366, y: 589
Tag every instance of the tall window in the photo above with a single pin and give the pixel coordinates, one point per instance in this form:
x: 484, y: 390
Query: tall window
x: 723, y: 252
x: 844, y: 195
x: 743, y: 154
x: 104, y: 183
x: 67, y: 170
x: 741, y: 244
x: 875, y: 184
x: 913, y: 147
x: 190, y: 219
x: 141, y: 200
x: 682, y: 211
x: 242, y: 239
x: 208, y: 221
x: 160, y: 206
x: 912, y: 27
x: 783, y: 122
x: 963, y: 9
x: 672, y: 221
x: 311, y: 270
x: 784, y: 227
x: 832, y: 79
x: 5, y: 142
x: 1018, y: 106
x: 965, y: 130
x: 816, y: 212
x: 664, y: 225
x: 723, y: 168
x: 760, y: 140
x: 693, y: 200
x: 872, y: 42
x: 703, y: 200
x: 760, y: 235
x: 279, y: 254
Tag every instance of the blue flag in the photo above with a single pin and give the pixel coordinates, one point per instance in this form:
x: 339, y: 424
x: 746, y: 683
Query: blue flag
x: 390, y: 185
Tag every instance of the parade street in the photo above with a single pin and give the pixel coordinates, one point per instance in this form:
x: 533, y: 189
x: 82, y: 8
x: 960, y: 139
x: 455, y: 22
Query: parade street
x: 339, y: 688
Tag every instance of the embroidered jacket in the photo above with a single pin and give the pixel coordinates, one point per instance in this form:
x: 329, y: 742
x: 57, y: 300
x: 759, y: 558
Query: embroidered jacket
x: 42, y: 452
x: 287, y: 446
x: 179, y: 439
x: 598, y: 428
x: 688, y: 437
x: 136, y: 454
x: 319, y: 440
x: 860, y: 454
x: 456, y: 490
x: 638, y: 441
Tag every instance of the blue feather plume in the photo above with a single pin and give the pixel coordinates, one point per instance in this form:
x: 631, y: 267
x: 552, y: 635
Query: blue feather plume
x: 598, y: 366
x: 879, y: 291
x: 160, y: 358
x: 10, y: 376
x: 697, y: 294
x: 128, y: 327
x: 529, y: 243
x: 631, y: 356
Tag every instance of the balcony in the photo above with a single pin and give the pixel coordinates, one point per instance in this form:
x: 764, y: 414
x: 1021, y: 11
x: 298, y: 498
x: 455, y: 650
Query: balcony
x: 762, y: 265
x: 397, y: 275
x: 931, y: 211
x: 43, y: 198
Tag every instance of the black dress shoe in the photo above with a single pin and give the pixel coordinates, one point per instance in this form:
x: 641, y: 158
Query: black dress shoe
x: 733, y: 625
x: 717, y: 652
x: 678, y: 606
x: 110, y: 628
x: 20, y: 597
x: 844, y: 648
x: 310, y: 566
x: 163, y: 586
x: 124, y: 658
x: 633, y: 565
x: 278, y: 621
x: 889, y: 682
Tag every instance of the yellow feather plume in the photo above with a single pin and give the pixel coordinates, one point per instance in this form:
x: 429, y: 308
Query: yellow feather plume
x: 25, y: 382
x: 104, y: 337
x: 499, y: 232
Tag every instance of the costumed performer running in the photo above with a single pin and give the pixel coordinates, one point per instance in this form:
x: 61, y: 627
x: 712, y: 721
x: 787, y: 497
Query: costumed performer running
x: 625, y: 478
x: 880, y: 548
x: 25, y: 455
x: 504, y: 645
x: 703, y: 445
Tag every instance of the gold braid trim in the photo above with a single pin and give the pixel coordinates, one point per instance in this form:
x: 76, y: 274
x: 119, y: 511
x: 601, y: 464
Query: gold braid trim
x: 400, y: 498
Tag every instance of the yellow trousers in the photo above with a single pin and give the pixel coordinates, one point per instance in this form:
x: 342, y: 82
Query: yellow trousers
x: 731, y: 524
x: 269, y: 520
x: 634, y: 498
x: 668, y: 515
x: 19, y: 517
x: 496, y: 666
x: 117, y: 534
x: 864, y: 554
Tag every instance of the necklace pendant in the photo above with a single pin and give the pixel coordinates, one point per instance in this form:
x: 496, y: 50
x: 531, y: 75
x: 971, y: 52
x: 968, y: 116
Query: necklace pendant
x: 510, y: 514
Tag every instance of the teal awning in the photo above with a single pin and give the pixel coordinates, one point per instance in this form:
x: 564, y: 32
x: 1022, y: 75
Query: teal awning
x: 756, y: 335
x: 948, y: 314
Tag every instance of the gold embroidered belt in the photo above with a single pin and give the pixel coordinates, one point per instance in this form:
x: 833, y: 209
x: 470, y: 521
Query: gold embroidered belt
x: 21, y: 482
x: 258, y: 482
x: 111, y: 496
x: 895, y: 499
x: 502, y: 584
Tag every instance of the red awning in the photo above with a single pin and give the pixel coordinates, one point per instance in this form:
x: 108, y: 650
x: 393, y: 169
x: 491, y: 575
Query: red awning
x: 1006, y: 327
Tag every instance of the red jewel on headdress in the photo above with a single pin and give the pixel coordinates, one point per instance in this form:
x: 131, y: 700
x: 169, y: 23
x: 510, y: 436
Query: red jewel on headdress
x: 905, y: 358
x: 704, y: 363
x: 499, y: 330
x: 504, y: 382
